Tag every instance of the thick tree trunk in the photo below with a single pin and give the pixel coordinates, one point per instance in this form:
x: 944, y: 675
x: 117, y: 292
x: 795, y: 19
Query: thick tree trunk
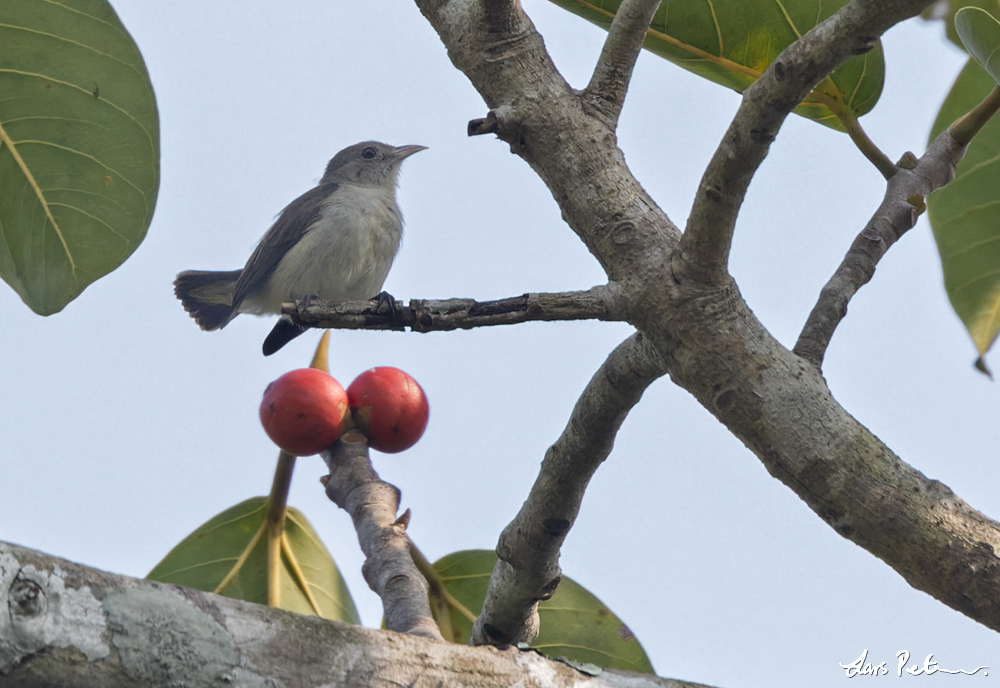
x: 69, y: 626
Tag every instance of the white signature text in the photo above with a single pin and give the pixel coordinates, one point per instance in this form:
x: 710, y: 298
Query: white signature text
x: 862, y: 667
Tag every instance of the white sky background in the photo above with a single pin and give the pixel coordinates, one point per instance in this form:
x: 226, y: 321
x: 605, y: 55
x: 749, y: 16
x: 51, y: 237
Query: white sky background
x: 125, y: 426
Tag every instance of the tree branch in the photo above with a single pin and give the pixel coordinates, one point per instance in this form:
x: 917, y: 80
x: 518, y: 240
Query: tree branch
x: 501, y: 16
x: 555, y: 129
x: 779, y: 406
x: 788, y: 79
x: 527, y: 571
x: 355, y: 487
x: 611, y: 77
x: 68, y: 626
x: 898, y: 213
x: 603, y: 302
x: 711, y: 343
x: 903, y: 202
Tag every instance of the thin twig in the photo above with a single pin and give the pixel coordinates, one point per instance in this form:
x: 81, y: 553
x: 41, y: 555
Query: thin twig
x: 527, y: 570
x: 898, y: 213
x: 483, y: 125
x: 902, y: 204
x: 599, y: 303
x: 613, y: 71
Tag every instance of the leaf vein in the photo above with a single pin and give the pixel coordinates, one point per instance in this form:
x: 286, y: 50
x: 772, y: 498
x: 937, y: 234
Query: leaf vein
x: 5, y: 138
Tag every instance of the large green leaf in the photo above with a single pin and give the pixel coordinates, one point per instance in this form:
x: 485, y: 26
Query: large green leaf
x: 947, y: 9
x: 575, y: 625
x: 980, y: 34
x: 79, y: 148
x: 731, y: 42
x: 965, y: 214
x: 231, y: 549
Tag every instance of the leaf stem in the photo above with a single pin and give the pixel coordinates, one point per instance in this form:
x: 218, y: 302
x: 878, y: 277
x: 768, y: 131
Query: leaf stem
x: 852, y: 126
x: 275, y: 523
x: 967, y: 126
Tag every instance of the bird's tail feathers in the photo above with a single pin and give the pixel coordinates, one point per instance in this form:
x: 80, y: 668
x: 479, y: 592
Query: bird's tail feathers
x: 207, y: 295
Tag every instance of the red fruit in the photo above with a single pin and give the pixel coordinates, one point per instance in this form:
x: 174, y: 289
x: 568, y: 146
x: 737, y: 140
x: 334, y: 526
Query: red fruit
x: 389, y: 407
x: 304, y: 411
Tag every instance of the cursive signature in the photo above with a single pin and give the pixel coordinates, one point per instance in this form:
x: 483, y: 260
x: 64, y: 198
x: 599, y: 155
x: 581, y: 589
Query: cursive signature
x: 862, y: 667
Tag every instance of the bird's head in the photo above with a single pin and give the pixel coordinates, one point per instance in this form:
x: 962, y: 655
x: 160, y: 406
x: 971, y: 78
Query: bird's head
x: 369, y: 162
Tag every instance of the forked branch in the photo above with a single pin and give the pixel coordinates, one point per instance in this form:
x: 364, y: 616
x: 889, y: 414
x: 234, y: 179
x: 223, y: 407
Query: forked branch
x: 691, y: 312
x: 902, y: 204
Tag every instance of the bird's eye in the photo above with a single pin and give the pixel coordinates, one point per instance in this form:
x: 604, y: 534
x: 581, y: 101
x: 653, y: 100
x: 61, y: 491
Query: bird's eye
x: 368, y: 153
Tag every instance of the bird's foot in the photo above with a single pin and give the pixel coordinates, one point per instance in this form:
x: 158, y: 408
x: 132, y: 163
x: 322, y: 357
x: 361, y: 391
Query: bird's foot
x: 385, y: 303
x: 306, y: 301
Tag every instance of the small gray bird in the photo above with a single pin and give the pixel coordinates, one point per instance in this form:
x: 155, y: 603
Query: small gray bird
x: 335, y: 242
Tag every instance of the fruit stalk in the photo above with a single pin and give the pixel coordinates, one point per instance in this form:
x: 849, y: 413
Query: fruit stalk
x: 275, y: 523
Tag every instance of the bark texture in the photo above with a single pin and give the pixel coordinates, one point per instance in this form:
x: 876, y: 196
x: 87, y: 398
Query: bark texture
x: 426, y: 315
x: 372, y: 503
x: 679, y: 294
x: 67, y: 626
x: 527, y: 569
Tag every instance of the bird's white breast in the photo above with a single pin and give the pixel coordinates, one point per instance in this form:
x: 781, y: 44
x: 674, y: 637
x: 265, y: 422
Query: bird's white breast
x: 345, y: 254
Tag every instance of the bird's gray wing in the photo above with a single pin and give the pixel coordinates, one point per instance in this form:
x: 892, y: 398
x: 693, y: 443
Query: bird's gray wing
x: 293, y: 222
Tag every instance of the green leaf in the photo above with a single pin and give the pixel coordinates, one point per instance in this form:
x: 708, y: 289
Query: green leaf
x: 575, y: 625
x: 230, y: 550
x: 79, y: 148
x: 965, y: 214
x: 946, y: 10
x: 980, y: 34
x: 731, y: 42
